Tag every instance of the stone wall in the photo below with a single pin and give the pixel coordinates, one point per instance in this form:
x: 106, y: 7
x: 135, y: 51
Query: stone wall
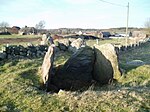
x: 19, y: 51
x: 131, y: 44
x: 31, y: 51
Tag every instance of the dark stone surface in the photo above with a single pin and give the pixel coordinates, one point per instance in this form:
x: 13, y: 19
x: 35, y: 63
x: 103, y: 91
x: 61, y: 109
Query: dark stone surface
x: 62, y: 46
x: 77, y: 71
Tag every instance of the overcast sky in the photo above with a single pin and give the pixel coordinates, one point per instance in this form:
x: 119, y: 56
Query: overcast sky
x: 74, y: 13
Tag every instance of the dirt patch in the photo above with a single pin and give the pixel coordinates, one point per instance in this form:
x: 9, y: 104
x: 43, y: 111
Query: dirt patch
x: 18, y: 40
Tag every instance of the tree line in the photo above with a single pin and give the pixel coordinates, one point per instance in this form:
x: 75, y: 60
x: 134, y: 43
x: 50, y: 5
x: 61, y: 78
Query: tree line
x: 39, y: 25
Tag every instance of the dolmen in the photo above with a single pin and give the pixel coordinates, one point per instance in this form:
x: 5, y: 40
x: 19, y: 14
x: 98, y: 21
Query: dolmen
x: 85, y: 66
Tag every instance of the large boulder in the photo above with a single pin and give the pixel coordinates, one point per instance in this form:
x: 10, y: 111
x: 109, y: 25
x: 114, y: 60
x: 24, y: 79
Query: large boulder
x: 62, y: 46
x: 77, y: 71
x: 72, y: 49
x: 103, y: 71
x: 106, y: 64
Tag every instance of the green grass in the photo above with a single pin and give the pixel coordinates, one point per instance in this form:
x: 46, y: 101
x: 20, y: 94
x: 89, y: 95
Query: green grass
x: 20, y: 88
x: 100, y: 42
x: 18, y: 36
x: 140, y: 53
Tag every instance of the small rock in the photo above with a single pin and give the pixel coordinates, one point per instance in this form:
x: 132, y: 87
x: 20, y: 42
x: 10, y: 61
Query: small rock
x: 61, y: 92
x: 136, y: 62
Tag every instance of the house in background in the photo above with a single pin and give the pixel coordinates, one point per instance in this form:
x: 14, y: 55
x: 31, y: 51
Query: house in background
x: 28, y: 31
x: 104, y: 34
x: 13, y: 30
x: 99, y: 34
x: 10, y: 30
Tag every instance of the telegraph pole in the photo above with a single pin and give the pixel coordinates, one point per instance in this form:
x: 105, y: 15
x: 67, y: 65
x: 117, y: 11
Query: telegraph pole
x: 127, y: 24
x: 126, y: 39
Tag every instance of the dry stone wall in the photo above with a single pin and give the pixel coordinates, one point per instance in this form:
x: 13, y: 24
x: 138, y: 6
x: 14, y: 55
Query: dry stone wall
x: 31, y: 51
x: 19, y: 51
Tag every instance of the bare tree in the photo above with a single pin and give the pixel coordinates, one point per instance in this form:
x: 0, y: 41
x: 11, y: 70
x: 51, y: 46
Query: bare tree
x: 40, y: 25
x: 147, y: 25
x: 3, y: 26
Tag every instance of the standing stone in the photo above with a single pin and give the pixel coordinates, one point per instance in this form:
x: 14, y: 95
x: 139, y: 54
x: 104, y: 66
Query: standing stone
x: 47, y: 65
x: 77, y: 71
x: 109, y: 62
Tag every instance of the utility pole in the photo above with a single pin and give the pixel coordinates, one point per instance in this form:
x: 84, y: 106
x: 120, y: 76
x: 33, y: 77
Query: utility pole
x: 127, y: 24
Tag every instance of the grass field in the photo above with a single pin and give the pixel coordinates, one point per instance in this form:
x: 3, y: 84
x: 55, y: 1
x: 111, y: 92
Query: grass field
x: 18, y: 36
x: 16, y: 39
x: 100, y: 42
x: 20, y: 88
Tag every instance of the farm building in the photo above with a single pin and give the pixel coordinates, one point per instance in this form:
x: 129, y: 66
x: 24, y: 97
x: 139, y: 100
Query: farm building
x: 10, y: 30
x: 28, y: 31
x: 14, y: 30
x: 104, y: 34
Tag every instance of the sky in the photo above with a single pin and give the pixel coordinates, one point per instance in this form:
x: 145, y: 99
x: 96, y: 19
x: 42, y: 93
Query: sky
x: 75, y: 13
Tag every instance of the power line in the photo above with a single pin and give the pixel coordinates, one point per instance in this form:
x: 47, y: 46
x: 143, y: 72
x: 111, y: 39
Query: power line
x: 113, y: 3
x: 127, y: 15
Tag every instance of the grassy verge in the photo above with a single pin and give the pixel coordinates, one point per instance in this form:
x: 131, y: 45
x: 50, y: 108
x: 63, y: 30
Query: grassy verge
x: 20, y: 88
